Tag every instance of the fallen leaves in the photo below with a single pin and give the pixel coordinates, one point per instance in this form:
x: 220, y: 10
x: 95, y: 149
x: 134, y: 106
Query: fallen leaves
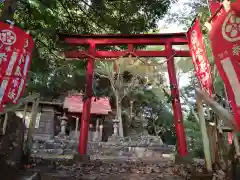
x: 126, y: 169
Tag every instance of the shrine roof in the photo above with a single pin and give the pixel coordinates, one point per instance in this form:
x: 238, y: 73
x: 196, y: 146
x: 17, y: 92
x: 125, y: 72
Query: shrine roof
x: 74, y: 104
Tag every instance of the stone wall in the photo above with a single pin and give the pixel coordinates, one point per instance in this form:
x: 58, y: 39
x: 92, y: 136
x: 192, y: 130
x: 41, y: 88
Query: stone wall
x: 46, y: 126
x: 45, y: 123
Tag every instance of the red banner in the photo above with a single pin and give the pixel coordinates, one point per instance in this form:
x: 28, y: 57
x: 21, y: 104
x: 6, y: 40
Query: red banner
x: 17, y: 82
x: 236, y: 7
x: 199, y: 56
x: 26, y: 62
x: 12, y: 42
x: 225, y: 41
x: 214, y: 6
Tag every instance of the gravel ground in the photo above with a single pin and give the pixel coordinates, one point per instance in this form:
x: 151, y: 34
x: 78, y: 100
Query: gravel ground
x: 112, y: 170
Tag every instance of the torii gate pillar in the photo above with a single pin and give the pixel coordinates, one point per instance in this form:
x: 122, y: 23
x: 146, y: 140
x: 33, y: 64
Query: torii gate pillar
x: 85, y: 119
x: 177, y: 110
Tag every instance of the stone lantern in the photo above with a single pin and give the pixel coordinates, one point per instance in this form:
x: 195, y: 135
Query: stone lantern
x: 115, y: 127
x: 63, y: 124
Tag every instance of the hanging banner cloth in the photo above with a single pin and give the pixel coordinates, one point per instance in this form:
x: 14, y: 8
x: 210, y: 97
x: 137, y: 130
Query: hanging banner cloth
x: 199, y: 57
x: 214, y: 6
x: 235, y: 6
x: 17, y: 81
x: 225, y: 42
x: 15, y: 58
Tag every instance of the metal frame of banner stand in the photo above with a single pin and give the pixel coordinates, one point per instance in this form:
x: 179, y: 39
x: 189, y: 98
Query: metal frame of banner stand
x: 227, y: 118
x: 224, y: 115
x: 34, y: 99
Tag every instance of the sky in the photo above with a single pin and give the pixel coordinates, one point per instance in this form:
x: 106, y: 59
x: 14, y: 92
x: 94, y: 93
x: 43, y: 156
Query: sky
x: 173, y: 28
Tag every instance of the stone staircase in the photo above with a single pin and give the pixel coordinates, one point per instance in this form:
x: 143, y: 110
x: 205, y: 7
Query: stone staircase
x: 122, y: 148
x: 131, y: 158
x: 59, y: 147
x: 106, y: 151
x: 119, y: 158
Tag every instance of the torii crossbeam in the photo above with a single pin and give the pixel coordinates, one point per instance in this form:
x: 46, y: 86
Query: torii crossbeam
x: 93, y: 41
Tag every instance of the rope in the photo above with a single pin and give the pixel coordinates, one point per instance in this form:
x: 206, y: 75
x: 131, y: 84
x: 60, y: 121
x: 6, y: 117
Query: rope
x: 138, y: 58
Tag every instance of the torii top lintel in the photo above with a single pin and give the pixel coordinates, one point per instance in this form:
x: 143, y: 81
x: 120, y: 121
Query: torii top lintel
x: 130, y: 40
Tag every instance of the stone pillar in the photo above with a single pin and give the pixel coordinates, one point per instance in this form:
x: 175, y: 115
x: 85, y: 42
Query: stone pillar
x: 115, y: 127
x: 100, y: 132
x: 63, y: 127
x: 90, y: 133
x: 77, y: 127
x: 63, y: 120
x: 95, y: 133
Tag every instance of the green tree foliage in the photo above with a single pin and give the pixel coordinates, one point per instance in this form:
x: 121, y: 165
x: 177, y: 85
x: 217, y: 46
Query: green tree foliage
x: 44, y: 18
x: 194, y: 140
x: 191, y: 124
x: 129, y: 16
x: 152, y: 108
x: 51, y: 75
x: 186, y: 12
x: 186, y: 17
x: 130, y: 75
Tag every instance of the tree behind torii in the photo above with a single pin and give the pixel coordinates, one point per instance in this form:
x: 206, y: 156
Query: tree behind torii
x: 126, y: 75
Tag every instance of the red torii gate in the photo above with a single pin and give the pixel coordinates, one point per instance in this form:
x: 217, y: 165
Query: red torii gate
x: 168, y: 40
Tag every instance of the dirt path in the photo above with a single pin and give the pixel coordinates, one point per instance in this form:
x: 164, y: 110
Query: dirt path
x: 112, y: 170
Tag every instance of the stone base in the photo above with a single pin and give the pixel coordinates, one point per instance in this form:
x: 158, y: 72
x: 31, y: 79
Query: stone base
x: 183, y: 160
x: 81, y: 158
x: 52, y: 176
x: 200, y: 176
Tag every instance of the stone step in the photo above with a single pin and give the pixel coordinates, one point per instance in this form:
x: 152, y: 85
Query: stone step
x: 130, y: 151
x: 54, y: 145
x: 165, y: 159
x: 55, y: 176
x: 113, y: 151
x: 52, y: 156
x: 53, y: 151
x: 30, y: 176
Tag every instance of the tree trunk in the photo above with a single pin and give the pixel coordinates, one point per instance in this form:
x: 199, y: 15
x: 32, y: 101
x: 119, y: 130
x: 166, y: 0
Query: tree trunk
x: 8, y: 10
x: 119, y: 114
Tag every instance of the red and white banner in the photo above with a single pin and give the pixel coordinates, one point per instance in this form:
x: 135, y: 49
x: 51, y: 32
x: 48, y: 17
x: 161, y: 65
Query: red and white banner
x: 18, y: 79
x: 199, y: 57
x: 214, y: 6
x: 12, y: 43
x: 225, y: 41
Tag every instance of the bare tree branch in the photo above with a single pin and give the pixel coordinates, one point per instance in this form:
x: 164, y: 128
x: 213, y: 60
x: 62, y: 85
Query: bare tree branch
x: 101, y: 75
